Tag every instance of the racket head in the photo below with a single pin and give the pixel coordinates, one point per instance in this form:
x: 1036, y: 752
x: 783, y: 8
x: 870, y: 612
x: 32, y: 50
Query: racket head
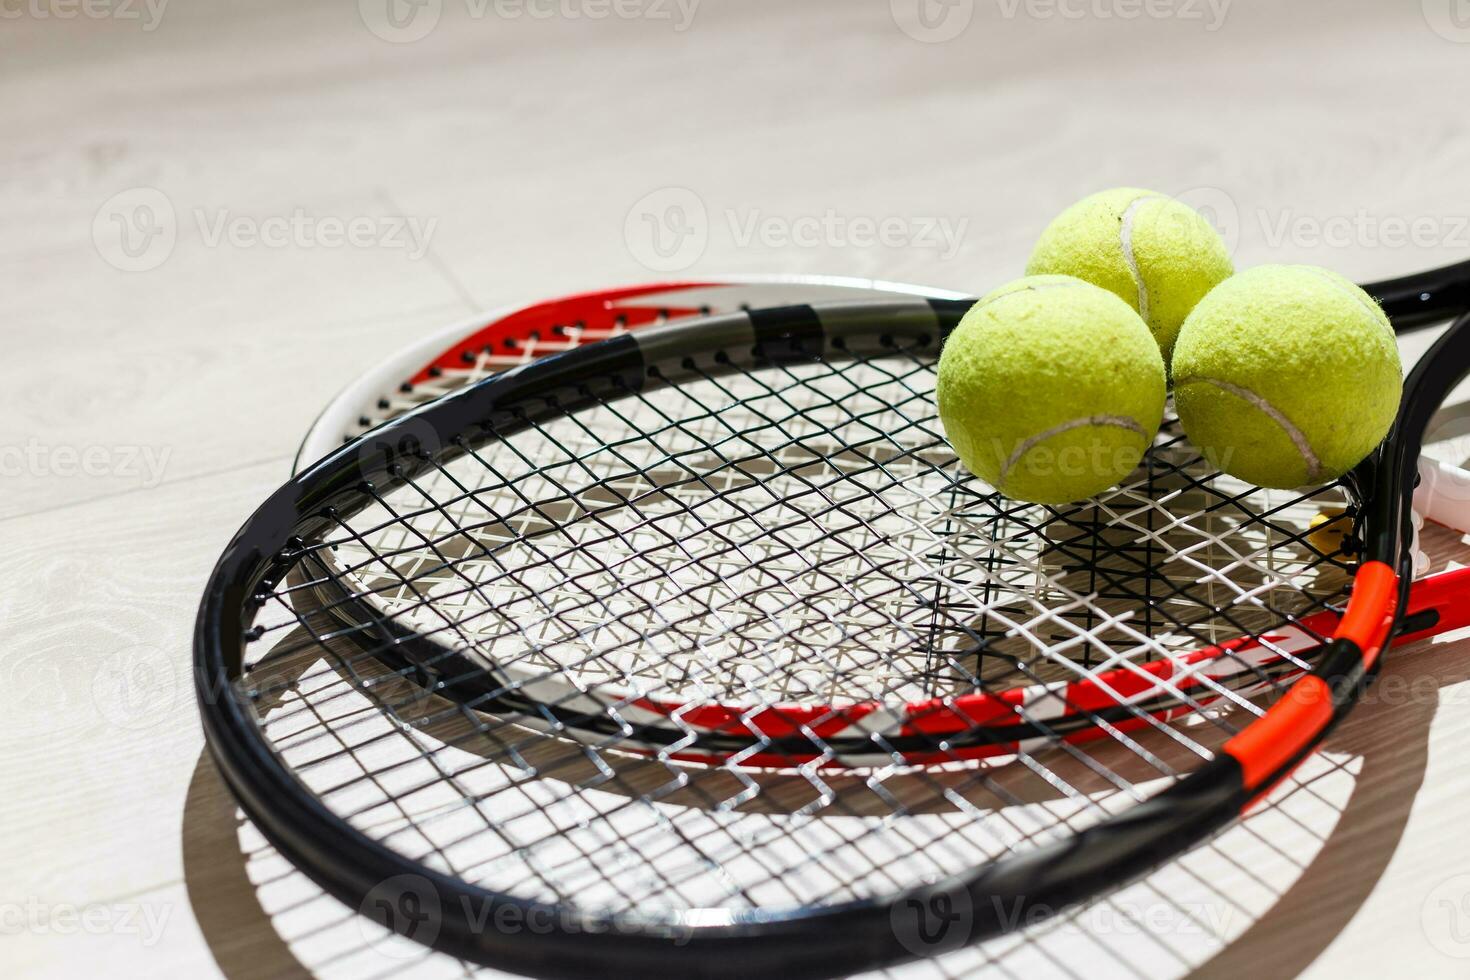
x: 1038, y: 873
x: 469, y: 351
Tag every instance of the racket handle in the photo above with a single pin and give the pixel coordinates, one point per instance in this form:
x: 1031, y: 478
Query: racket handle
x: 1443, y: 494
x: 1438, y: 604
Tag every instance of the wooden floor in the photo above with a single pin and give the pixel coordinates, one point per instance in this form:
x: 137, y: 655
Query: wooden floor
x: 176, y: 187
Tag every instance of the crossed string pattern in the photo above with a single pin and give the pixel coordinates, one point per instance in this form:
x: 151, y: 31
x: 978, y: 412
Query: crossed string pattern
x: 796, y: 534
x: 477, y: 365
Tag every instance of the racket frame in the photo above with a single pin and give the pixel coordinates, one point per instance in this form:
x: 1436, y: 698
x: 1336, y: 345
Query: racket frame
x: 840, y: 938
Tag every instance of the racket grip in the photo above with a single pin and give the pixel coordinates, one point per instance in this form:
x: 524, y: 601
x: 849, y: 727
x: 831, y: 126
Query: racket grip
x: 1443, y: 494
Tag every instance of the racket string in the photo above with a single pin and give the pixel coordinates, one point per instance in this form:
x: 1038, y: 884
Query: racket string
x: 796, y: 536
x: 477, y: 364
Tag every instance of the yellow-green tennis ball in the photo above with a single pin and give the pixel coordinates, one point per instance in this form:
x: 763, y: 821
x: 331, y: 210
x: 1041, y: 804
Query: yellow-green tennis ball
x: 1286, y: 375
x: 1158, y: 255
x: 1050, y: 389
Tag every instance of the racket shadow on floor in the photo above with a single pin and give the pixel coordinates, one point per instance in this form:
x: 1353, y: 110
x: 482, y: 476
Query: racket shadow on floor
x: 263, y: 918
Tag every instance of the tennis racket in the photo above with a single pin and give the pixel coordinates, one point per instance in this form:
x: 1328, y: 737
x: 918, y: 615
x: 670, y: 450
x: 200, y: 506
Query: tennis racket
x: 666, y: 546
x: 988, y: 721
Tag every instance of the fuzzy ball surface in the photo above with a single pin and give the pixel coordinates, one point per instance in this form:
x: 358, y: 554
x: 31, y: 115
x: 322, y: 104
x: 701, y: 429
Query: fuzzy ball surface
x: 1050, y: 389
x: 1287, y: 376
x: 1158, y: 255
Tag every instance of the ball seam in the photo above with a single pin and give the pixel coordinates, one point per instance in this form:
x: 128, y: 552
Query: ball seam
x: 1298, y: 439
x: 1117, y: 421
x: 1125, y: 240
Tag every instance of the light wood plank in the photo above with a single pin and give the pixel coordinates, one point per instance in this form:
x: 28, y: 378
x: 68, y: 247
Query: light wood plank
x: 529, y: 141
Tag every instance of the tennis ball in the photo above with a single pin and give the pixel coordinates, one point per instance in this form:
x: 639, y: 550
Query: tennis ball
x: 1159, y: 255
x: 1050, y: 389
x: 1286, y: 375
